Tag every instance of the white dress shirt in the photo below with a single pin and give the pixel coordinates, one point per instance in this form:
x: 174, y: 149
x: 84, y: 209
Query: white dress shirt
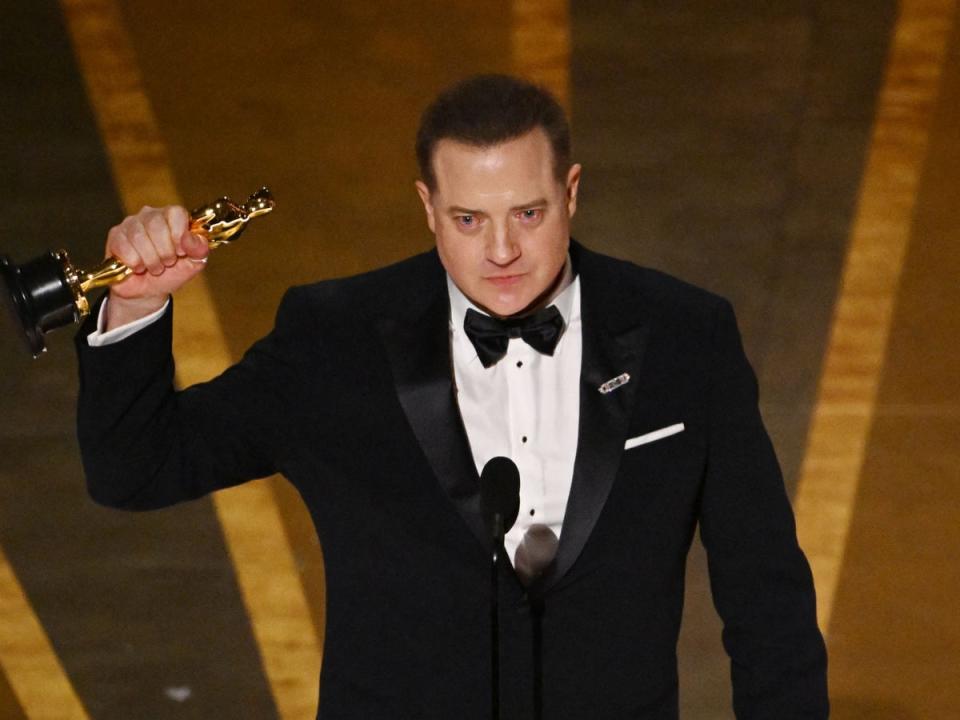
x: 525, y: 407
x: 100, y: 337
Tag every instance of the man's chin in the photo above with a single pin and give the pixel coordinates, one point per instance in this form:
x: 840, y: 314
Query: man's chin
x: 520, y: 299
x: 504, y: 307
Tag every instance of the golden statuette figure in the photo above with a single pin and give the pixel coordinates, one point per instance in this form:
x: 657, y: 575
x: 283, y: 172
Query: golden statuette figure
x: 50, y: 292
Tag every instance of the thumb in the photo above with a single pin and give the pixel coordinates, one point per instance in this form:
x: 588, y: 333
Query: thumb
x: 184, y: 270
x: 194, y: 246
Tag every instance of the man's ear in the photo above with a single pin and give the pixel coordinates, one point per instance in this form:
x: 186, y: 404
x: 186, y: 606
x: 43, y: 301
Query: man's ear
x: 424, y: 192
x: 573, y: 184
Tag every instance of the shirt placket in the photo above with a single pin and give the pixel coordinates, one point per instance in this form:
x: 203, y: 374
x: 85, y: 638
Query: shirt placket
x: 522, y: 414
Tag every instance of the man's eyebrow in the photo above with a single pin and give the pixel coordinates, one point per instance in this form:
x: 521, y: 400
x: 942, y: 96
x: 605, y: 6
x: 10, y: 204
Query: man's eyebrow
x: 539, y: 202
x: 457, y: 210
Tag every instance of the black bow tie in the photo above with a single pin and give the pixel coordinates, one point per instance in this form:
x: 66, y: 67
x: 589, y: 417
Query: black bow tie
x: 490, y: 336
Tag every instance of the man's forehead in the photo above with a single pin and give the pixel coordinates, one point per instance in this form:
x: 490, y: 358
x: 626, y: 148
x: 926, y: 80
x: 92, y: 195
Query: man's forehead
x: 453, y: 155
x: 518, y: 170
x: 478, y: 197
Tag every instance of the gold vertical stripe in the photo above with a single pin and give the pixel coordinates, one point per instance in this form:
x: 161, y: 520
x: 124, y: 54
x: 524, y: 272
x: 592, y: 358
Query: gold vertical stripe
x: 880, y: 235
x: 274, y: 596
x: 253, y: 529
x: 32, y: 667
x: 540, y: 44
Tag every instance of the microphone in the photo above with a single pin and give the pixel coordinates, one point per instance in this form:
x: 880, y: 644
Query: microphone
x: 500, y: 505
x: 500, y: 496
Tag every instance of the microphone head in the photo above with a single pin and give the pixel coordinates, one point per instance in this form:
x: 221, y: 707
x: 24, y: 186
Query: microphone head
x: 500, y: 492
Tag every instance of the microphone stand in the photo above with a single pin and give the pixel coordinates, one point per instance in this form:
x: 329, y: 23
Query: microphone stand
x: 536, y: 553
x: 499, y: 503
x: 536, y: 615
x: 498, y: 534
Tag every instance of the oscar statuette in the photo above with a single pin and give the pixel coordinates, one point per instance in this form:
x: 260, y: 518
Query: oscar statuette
x: 49, y: 292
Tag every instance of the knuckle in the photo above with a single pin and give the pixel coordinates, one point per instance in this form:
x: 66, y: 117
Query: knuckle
x: 138, y: 237
x: 127, y: 255
x: 156, y: 225
x: 176, y: 213
x: 115, y: 236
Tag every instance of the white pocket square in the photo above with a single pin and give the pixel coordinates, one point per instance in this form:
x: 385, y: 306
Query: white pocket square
x: 654, y: 436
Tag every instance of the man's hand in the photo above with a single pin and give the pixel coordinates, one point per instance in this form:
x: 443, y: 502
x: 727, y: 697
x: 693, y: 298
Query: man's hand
x: 158, y: 246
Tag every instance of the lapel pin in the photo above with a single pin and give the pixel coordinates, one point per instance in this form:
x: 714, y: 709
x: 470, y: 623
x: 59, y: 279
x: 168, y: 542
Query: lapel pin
x: 610, y: 385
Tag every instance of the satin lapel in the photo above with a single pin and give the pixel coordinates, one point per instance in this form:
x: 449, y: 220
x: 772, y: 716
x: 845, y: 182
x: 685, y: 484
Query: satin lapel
x: 613, y: 344
x: 418, y: 347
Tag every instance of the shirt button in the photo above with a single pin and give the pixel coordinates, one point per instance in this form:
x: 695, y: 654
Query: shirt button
x: 519, y: 363
x: 524, y: 438
x: 532, y: 511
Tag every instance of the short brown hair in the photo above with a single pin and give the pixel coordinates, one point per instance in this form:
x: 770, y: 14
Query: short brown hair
x: 486, y: 110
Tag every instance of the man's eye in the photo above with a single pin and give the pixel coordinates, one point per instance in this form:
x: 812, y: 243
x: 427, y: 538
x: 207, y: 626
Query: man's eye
x: 530, y: 214
x: 466, y: 221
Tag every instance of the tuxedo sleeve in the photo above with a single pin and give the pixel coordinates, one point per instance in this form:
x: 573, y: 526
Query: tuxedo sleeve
x: 145, y: 444
x: 761, y: 582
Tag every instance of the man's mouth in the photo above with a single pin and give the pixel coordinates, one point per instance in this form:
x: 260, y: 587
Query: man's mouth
x: 504, y: 280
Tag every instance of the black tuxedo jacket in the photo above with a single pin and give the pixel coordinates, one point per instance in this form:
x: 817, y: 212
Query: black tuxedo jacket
x: 351, y: 398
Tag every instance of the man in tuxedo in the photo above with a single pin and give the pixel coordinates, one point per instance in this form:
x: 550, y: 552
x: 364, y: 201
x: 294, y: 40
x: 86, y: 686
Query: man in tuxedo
x: 623, y: 396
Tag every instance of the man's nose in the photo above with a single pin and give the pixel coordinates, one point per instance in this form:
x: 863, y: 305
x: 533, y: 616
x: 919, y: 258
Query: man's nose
x: 501, y: 249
